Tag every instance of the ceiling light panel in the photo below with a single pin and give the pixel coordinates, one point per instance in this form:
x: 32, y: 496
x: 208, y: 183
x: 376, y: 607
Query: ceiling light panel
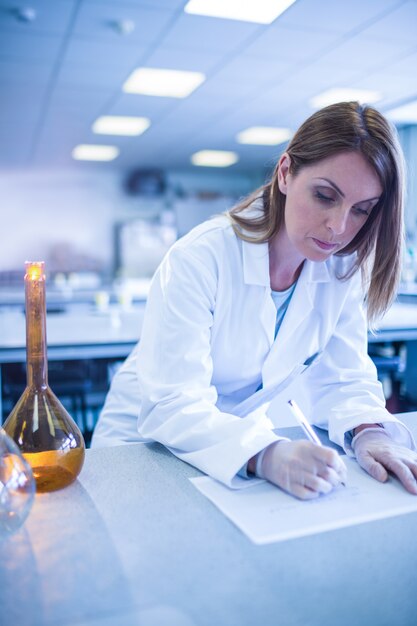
x: 341, y: 94
x: 259, y: 12
x: 160, y: 82
x: 120, y: 125
x: 214, y: 158
x: 406, y: 114
x: 93, y: 152
x: 264, y: 135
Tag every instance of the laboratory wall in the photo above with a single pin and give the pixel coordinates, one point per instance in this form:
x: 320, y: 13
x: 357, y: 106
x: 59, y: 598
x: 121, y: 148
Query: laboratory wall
x: 72, y: 219
x: 69, y: 218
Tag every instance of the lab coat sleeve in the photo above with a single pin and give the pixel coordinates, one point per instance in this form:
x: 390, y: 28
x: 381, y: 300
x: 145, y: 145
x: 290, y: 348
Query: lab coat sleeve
x: 117, y: 423
x: 344, y: 388
x: 175, y: 368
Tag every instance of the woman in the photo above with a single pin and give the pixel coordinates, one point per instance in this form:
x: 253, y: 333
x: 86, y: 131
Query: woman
x: 270, y: 294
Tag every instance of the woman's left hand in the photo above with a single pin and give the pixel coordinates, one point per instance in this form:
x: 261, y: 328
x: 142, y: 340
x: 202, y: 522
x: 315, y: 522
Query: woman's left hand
x: 378, y: 454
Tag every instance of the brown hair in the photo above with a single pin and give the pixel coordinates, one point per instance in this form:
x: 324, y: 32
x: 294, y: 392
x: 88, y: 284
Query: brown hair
x: 345, y: 127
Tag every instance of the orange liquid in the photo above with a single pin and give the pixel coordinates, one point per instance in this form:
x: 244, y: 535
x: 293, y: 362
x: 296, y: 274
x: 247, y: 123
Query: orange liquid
x: 55, y: 469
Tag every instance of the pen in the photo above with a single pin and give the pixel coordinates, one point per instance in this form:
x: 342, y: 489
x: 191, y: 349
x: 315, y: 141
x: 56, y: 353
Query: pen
x: 302, y: 420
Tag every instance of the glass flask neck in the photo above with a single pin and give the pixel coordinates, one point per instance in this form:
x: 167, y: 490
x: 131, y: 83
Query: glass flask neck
x: 36, y: 356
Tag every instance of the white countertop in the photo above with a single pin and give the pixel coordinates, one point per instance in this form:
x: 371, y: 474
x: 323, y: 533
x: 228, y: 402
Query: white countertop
x: 133, y: 543
x: 75, y: 334
x: 118, y: 325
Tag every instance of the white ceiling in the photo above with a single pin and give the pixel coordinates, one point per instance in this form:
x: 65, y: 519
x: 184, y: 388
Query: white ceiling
x: 60, y: 72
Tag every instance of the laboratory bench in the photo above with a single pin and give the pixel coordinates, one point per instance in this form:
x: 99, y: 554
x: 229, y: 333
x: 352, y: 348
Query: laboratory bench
x: 84, y: 348
x: 133, y: 543
x: 92, y: 340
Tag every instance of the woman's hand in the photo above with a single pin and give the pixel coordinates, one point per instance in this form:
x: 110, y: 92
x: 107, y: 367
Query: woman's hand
x: 378, y: 454
x: 302, y: 468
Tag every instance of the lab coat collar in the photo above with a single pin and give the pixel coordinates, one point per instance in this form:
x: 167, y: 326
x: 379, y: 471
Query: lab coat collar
x: 256, y: 263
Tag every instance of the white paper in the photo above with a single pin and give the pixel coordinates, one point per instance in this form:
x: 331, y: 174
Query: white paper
x: 266, y: 514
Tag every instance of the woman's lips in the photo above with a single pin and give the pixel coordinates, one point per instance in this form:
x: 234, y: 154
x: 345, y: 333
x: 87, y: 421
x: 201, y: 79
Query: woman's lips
x: 324, y: 245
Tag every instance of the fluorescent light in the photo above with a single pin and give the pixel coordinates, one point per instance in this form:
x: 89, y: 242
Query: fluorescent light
x: 331, y: 96
x: 214, y: 158
x: 259, y: 11
x: 94, y: 152
x: 120, y: 125
x: 264, y: 135
x: 157, y: 82
x: 406, y: 113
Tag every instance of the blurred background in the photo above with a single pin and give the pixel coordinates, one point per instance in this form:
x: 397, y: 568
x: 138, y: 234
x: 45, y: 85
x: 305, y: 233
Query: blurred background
x: 125, y: 123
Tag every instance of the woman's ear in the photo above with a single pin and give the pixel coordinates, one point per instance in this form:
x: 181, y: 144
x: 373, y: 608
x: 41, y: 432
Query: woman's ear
x: 283, y: 171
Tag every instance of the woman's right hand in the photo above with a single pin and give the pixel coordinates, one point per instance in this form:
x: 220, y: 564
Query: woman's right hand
x: 302, y: 468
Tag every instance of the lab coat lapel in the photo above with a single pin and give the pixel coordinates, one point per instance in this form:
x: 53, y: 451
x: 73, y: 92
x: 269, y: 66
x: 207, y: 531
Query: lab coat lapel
x: 296, y: 340
x: 294, y: 343
x: 256, y: 272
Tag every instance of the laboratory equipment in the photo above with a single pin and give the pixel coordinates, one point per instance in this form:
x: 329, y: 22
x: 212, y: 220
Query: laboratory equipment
x: 17, y: 486
x: 45, y: 433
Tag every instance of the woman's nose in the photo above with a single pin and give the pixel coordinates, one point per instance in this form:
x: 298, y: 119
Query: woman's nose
x: 337, y: 220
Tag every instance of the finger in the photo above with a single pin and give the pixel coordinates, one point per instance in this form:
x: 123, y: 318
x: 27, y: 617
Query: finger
x: 335, y: 474
x: 412, y: 465
x: 374, y: 469
x: 403, y: 473
x: 342, y: 472
x: 330, y: 458
x: 318, y: 484
x: 332, y: 477
x: 303, y: 493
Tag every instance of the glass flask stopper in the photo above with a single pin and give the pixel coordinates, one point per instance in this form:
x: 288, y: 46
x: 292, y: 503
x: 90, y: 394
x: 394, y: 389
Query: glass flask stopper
x: 45, y: 433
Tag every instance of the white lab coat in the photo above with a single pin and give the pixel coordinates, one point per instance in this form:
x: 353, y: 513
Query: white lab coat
x: 207, y: 343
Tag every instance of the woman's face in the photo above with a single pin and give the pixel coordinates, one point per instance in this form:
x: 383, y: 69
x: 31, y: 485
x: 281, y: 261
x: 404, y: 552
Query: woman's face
x: 327, y: 203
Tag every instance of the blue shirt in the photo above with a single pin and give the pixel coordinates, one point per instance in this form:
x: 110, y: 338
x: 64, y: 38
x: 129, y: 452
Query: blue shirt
x: 281, y: 300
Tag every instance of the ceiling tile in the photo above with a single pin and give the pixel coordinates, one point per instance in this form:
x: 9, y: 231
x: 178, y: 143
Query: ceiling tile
x: 172, y: 5
x: 193, y: 32
x: 15, y: 98
x: 399, y: 25
x: 135, y: 104
x: 59, y: 73
x: 111, y: 76
x: 180, y: 59
x: 289, y: 44
x: 406, y: 65
x: 84, y: 101
x: 29, y: 48
x: 96, y: 20
x: 248, y: 69
x: 52, y: 17
x: 362, y: 53
x: 339, y: 17
x: 82, y: 50
x: 397, y: 87
x: 13, y: 72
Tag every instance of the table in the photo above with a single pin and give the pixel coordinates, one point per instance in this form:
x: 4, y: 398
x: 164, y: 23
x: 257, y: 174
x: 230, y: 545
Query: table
x: 114, y: 333
x: 73, y: 335
x: 398, y: 324
x: 90, y: 334
x: 133, y: 543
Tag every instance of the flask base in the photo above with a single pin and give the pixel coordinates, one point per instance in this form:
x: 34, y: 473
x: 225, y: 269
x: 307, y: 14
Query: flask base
x: 53, y: 470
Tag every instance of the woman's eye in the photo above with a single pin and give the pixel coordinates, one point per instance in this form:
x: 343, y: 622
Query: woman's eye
x: 361, y: 211
x: 321, y: 196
